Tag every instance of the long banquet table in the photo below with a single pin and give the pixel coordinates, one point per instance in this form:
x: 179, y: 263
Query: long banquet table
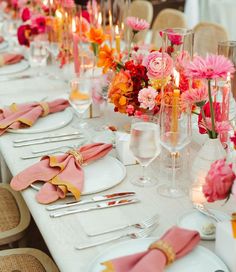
x: 62, y: 234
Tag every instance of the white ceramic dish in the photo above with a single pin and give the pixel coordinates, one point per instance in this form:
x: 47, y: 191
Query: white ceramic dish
x: 14, y: 68
x: 100, y: 175
x: 194, y: 220
x: 48, y: 123
x: 199, y: 260
x: 3, y: 45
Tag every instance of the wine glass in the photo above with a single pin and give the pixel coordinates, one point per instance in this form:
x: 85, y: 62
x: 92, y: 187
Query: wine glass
x: 38, y: 55
x: 80, y: 96
x: 145, y: 146
x: 175, y: 134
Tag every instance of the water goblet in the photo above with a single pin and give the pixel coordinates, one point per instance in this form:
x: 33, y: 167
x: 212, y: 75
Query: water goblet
x: 145, y: 146
x: 175, y: 134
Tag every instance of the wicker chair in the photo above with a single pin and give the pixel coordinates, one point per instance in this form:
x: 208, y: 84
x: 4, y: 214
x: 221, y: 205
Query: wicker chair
x: 14, y: 215
x: 26, y: 260
x: 143, y: 10
x: 167, y: 18
x: 206, y: 37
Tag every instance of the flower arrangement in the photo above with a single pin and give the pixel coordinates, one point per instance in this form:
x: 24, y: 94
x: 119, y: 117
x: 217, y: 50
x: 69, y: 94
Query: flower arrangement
x: 210, y: 68
x: 220, y: 181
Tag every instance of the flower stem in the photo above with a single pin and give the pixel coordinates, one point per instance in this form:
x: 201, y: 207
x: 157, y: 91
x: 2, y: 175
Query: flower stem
x: 130, y: 42
x: 204, y: 121
x: 212, y: 111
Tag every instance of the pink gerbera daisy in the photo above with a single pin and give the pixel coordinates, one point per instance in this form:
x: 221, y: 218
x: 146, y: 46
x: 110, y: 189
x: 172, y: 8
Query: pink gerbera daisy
x: 137, y: 24
x: 195, y: 96
x: 212, y: 67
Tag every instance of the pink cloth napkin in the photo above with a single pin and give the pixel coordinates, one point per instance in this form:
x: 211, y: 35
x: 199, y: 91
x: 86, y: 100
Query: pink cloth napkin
x: 60, y: 173
x: 1, y: 39
x: 7, y: 58
x: 181, y: 241
x: 25, y: 115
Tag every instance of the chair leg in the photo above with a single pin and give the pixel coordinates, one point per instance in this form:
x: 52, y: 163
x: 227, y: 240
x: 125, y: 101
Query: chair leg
x: 23, y: 242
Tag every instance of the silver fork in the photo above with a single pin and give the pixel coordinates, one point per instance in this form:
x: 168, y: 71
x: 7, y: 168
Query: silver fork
x: 201, y: 208
x: 132, y: 235
x: 141, y: 225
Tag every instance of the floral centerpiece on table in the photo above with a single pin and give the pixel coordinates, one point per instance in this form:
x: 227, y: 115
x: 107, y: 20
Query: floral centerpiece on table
x: 207, y: 70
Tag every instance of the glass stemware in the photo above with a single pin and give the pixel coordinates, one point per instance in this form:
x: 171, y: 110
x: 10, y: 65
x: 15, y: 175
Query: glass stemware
x: 80, y: 96
x: 145, y: 146
x: 175, y: 134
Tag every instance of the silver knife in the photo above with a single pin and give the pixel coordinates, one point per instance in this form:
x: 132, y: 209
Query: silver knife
x: 47, y: 137
x: 90, y: 200
x: 54, y: 140
x: 104, y: 205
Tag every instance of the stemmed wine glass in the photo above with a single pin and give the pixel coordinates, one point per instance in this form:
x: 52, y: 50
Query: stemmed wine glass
x: 145, y: 146
x: 175, y: 134
x: 80, y: 96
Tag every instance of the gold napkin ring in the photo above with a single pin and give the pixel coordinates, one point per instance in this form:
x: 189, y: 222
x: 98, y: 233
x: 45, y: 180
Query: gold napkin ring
x: 45, y: 108
x: 77, y: 155
x: 166, y: 248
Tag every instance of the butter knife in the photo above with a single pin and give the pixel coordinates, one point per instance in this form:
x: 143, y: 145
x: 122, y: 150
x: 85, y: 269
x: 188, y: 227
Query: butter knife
x: 202, y: 209
x: 54, y: 140
x: 47, y: 137
x: 94, y: 199
x: 104, y: 205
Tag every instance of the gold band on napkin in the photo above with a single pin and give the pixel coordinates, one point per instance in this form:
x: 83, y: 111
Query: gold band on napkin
x: 166, y: 248
x: 77, y: 155
x: 45, y: 108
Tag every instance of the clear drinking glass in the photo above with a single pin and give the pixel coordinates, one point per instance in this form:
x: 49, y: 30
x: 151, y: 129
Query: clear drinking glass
x: 38, y: 55
x: 80, y: 96
x: 175, y: 134
x: 145, y: 146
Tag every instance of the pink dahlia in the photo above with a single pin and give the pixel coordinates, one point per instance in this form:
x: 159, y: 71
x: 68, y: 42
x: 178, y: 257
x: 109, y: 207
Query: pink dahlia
x: 212, y: 67
x: 137, y: 24
x: 219, y: 181
x: 146, y: 98
x: 195, y: 96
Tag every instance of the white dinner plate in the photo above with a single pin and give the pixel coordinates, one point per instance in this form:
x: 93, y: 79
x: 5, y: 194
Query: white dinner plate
x: 48, y: 123
x: 100, y: 175
x: 14, y: 68
x: 194, y: 220
x: 199, y: 260
x: 3, y: 45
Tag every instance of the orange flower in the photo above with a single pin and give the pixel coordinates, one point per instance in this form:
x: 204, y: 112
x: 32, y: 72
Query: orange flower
x: 106, y: 58
x: 96, y: 35
x: 119, y: 91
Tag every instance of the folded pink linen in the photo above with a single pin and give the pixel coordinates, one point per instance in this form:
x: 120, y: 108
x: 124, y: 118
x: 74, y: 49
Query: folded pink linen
x: 25, y: 115
x: 7, y: 59
x: 60, y: 173
x: 174, y: 244
x: 1, y: 39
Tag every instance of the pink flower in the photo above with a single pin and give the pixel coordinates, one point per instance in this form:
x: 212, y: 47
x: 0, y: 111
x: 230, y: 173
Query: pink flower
x: 23, y: 34
x: 25, y: 14
x: 220, y: 126
x: 137, y: 24
x: 130, y: 109
x: 219, y: 181
x: 182, y: 61
x: 138, y: 56
x: 233, y: 190
x: 195, y: 96
x: 158, y: 65
x: 233, y: 139
x: 213, y: 66
x: 39, y: 22
x: 68, y: 3
x: 173, y: 37
x: 146, y: 98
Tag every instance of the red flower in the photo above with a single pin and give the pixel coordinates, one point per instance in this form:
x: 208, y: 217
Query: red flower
x: 173, y: 37
x: 23, y: 34
x: 25, y: 15
x: 39, y: 22
x: 206, y: 109
x: 233, y: 139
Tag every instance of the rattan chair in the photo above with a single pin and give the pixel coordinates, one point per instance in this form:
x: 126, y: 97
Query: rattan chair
x: 143, y: 10
x: 14, y: 215
x: 26, y: 260
x: 206, y: 37
x: 167, y: 18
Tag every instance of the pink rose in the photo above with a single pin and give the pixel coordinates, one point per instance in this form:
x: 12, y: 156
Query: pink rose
x: 219, y: 181
x: 158, y: 65
x: 146, y: 98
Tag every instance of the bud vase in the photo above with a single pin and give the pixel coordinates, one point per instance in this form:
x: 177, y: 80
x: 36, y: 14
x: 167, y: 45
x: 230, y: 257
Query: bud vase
x: 211, y: 151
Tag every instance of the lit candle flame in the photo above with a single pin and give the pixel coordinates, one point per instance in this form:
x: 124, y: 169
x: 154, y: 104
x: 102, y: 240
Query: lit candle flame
x: 228, y: 76
x: 45, y: 2
x: 117, y: 30
x: 176, y: 77
x: 122, y: 26
x: 73, y: 25
x: 100, y: 18
x: 110, y: 18
x: 58, y: 14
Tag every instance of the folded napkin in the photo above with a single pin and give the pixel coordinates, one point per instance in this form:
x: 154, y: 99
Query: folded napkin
x: 174, y: 244
x: 7, y: 59
x: 25, y: 115
x: 60, y: 173
x: 1, y: 39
